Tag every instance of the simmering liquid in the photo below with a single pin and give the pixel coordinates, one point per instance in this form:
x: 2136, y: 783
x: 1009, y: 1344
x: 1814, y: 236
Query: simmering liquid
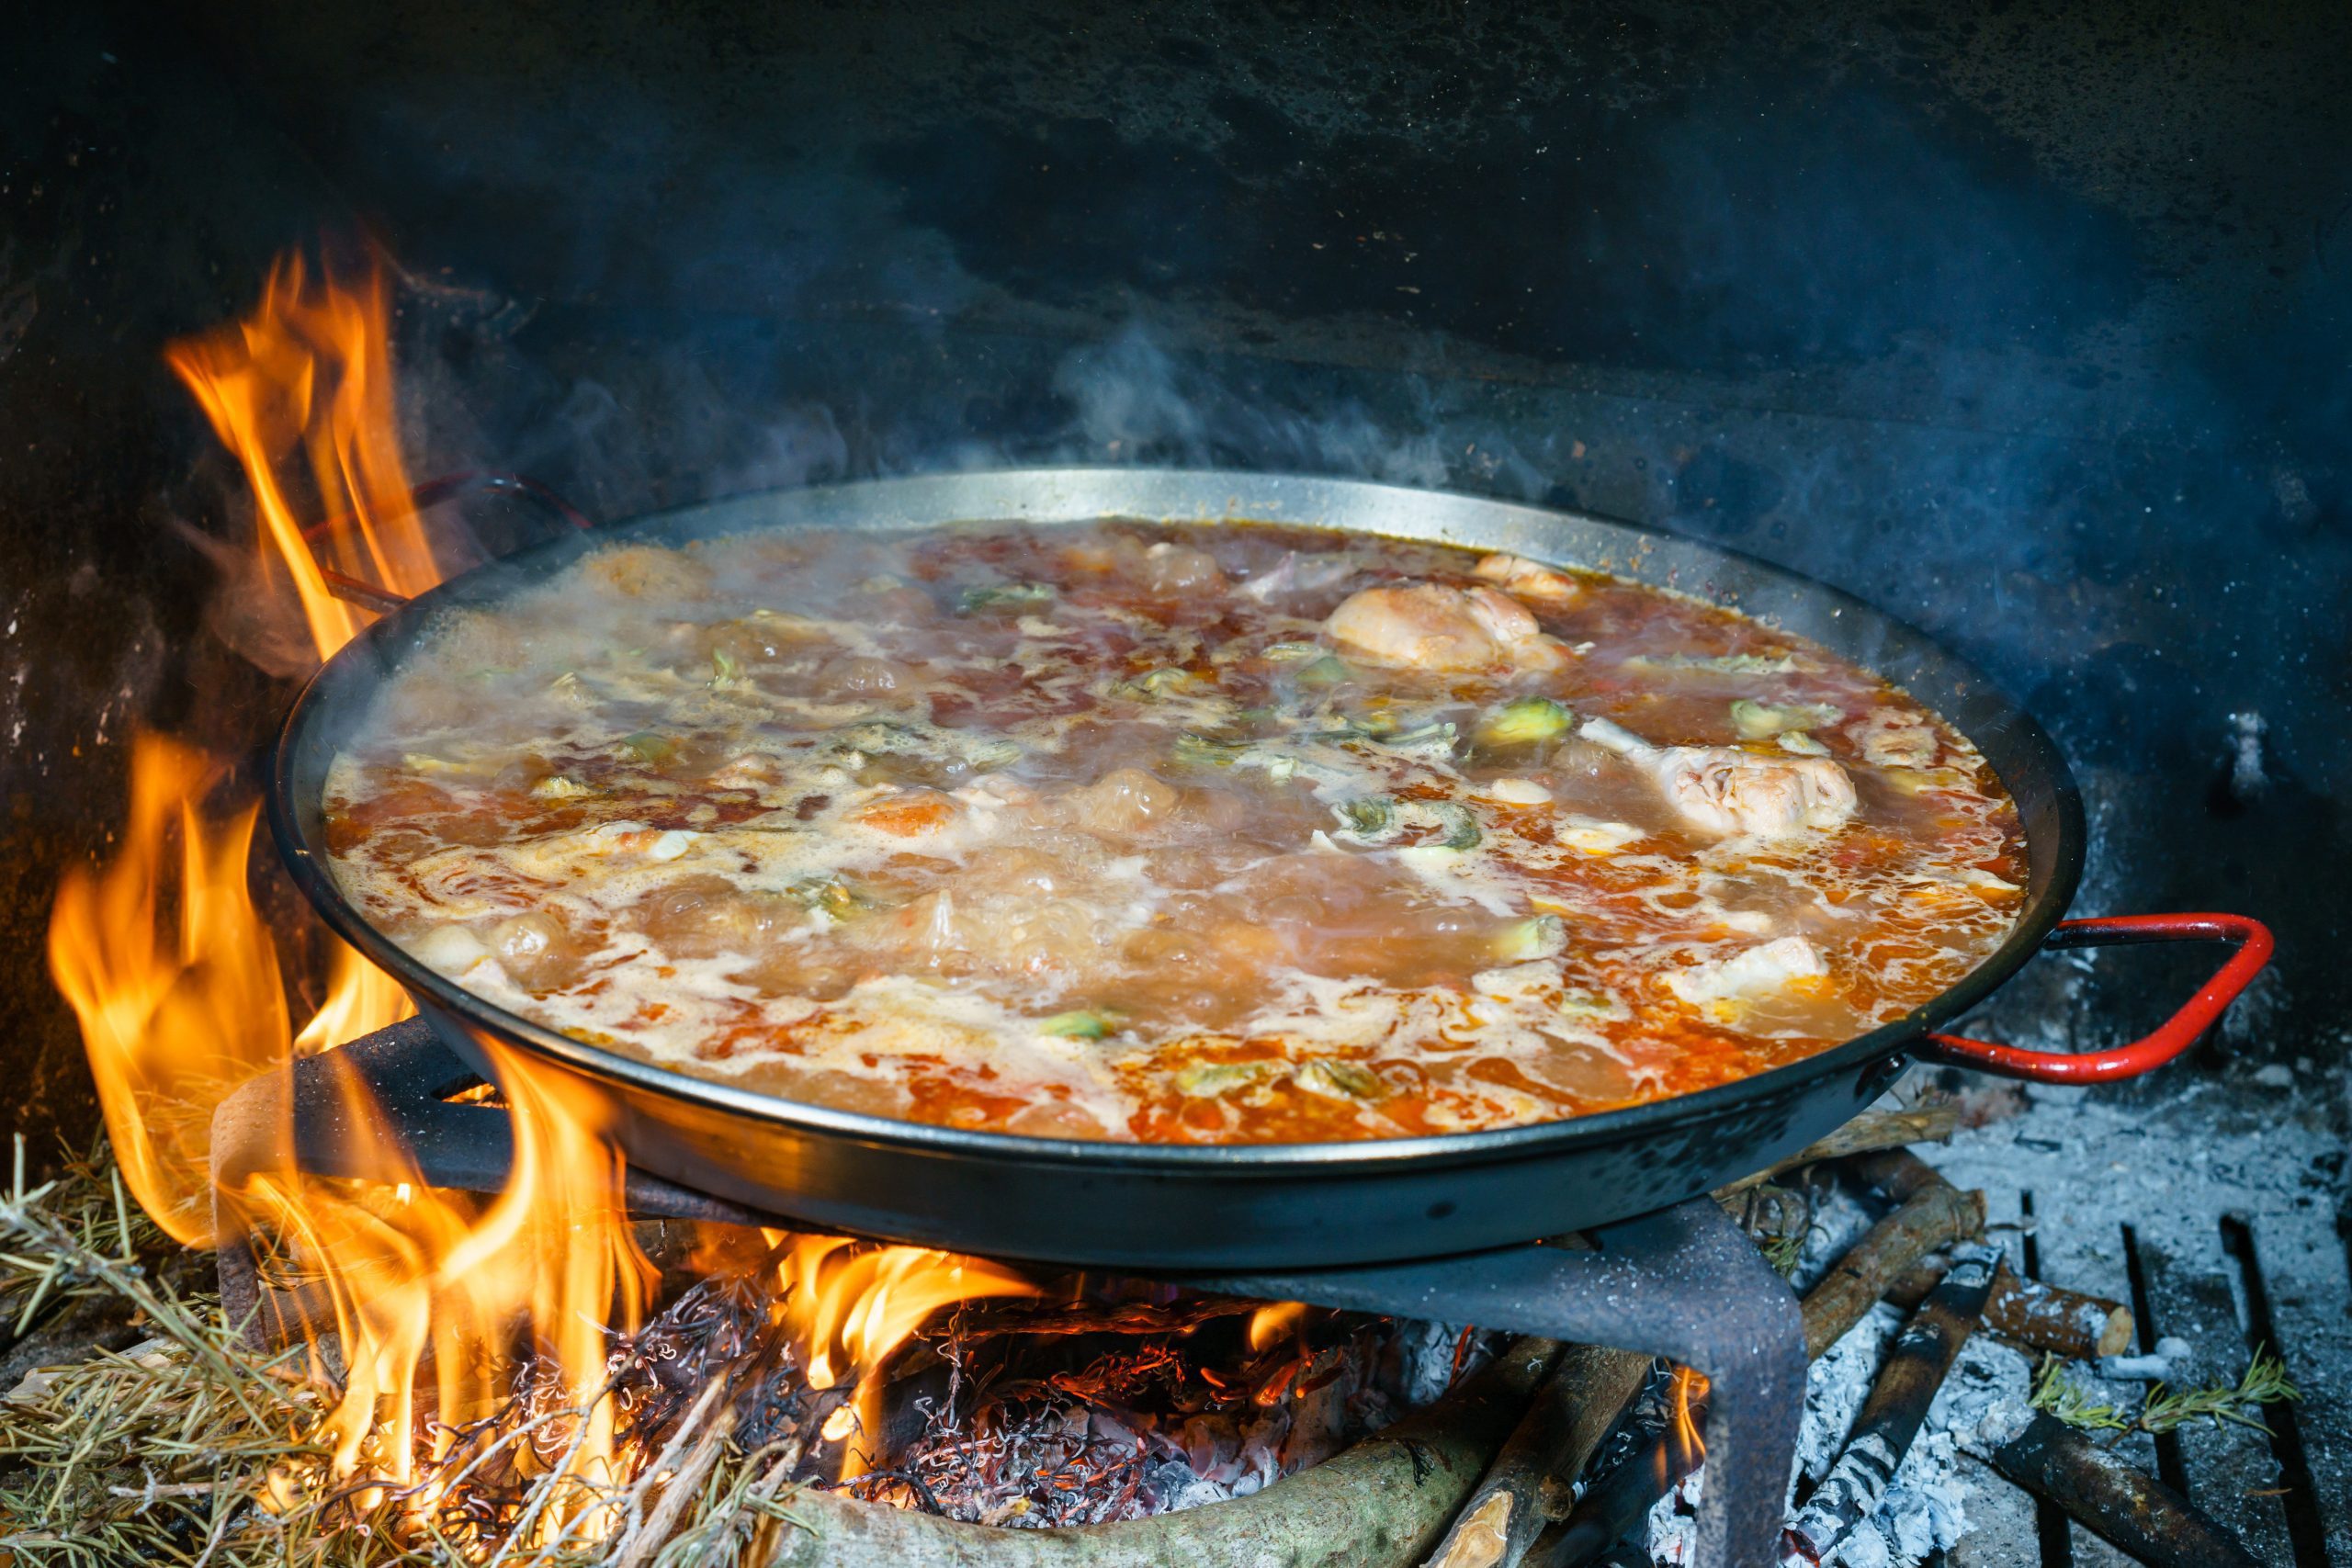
x: 1190, y: 834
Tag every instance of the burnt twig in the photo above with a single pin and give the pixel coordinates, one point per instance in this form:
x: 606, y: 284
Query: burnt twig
x: 1891, y: 1416
x: 1870, y: 1132
x: 2036, y: 1316
x: 2138, y: 1513
x: 1933, y: 1216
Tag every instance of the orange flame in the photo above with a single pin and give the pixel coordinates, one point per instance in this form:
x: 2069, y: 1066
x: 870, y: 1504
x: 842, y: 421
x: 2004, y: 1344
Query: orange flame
x: 1273, y: 1320
x: 849, y: 1306
x: 1685, y: 1447
x: 175, y: 979
x: 314, y: 366
x: 178, y: 1004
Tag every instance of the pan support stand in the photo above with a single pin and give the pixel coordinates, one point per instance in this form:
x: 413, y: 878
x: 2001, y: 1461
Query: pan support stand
x: 1683, y: 1283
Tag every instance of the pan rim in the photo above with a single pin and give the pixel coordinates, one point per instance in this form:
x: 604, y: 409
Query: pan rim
x: 2051, y: 889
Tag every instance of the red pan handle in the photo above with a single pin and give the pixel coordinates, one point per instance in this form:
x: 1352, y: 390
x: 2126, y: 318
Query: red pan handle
x: 2250, y: 938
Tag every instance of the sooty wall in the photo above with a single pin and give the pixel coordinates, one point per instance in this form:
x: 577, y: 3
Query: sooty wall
x: 2030, y: 325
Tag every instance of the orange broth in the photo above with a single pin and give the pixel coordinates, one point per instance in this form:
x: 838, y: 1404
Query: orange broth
x: 1104, y: 831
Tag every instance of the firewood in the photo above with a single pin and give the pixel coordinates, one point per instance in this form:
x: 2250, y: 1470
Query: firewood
x: 1524, y: 1489
x: 1867, y: 1132
x: 2141, y: 1515
x: 1897, y: 1172
x: 2045, y: 1317
x: 1384, y: 1501
x: 1916, y: 1368
x: 1933, y: 1216
x: 2036, y: 1316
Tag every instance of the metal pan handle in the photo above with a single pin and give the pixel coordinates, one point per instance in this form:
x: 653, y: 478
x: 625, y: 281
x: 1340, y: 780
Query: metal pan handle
x: 2250, y: 938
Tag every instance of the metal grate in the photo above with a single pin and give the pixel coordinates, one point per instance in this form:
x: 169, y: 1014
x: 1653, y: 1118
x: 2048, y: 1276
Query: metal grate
x: 2218, y: 1215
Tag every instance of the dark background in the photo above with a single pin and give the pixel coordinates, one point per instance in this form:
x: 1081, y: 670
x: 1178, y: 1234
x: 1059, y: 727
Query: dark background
x: 2031, y: 324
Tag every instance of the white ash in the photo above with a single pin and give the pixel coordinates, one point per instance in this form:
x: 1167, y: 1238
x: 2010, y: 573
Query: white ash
x: 1981, y: 1404
x: 1839, y: 1218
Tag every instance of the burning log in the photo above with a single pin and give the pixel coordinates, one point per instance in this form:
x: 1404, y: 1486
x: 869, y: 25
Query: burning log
x: 1102, y: 1317
x: 1891, y: 1418
x: 2147, y: 1519
x: 1385, y: 1500
x: 1526, y: 1485
x: 2036, y: 1316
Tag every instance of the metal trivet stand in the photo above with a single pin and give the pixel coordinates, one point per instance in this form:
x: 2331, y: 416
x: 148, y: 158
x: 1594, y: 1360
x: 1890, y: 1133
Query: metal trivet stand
x: 1683, y: 1283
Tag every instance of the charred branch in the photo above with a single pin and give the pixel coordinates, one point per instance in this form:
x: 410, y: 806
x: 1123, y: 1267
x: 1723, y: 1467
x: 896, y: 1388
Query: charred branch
x: 2122, y: 1505
x: 1891, y: 1416
x: 1933, y: 1216
x: 2035, y: 1316
x: 1384, y: 1501
x: 1872, y: 1131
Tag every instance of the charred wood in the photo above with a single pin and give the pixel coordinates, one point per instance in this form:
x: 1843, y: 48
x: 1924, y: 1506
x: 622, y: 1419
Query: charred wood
x: 1384, y: 1501
x: 1872, y: 1131
x: 1890, y: 1418
x: 2116, y: 1501
x: 2035, y: 1316
x: 1934, y: 1215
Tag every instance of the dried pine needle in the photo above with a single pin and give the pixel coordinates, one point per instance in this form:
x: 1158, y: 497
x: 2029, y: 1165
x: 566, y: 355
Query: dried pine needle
x: 192, y: 1448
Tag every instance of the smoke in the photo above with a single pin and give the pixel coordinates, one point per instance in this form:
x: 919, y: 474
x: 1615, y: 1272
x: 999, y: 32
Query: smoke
x: 1844, y: 315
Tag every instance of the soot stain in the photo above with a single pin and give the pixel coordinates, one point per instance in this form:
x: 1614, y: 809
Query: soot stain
x: 1744, y: 226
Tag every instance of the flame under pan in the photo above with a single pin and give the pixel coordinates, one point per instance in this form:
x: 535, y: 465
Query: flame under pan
x: 1142, y: 1206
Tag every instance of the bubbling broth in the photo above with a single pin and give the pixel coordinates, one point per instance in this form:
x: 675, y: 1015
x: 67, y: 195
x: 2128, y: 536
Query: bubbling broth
x: 1173, y: 833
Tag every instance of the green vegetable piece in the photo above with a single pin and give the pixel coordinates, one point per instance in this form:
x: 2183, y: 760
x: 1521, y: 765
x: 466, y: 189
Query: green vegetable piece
x: 1206, y: 1080
x: 1431, y: 741
x: 1369, y: 819
x: 1761, y: 721
x: 1574, y: 1003
x: 828, y: 895
x: 724, y: 667
x: 1457, y: 828
x: 997, y: 596
x: 1538, y: 936
x: 1079, y: 1025
x: 1525, y: 720
x: 1204, y: 751
x: 1325, y: 672
x: 1280, y: 651
x: 647, y: 747
x: 1152, y: 684
x: 1341, y: 1080
x: 1801, y: 743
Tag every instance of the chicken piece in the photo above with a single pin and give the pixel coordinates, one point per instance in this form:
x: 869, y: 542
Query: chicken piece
x: 1748, y: 973
x: 1895, y: 738
x: 1720, y: 789
x: 1520, y: 575
x: 1428, y: 625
